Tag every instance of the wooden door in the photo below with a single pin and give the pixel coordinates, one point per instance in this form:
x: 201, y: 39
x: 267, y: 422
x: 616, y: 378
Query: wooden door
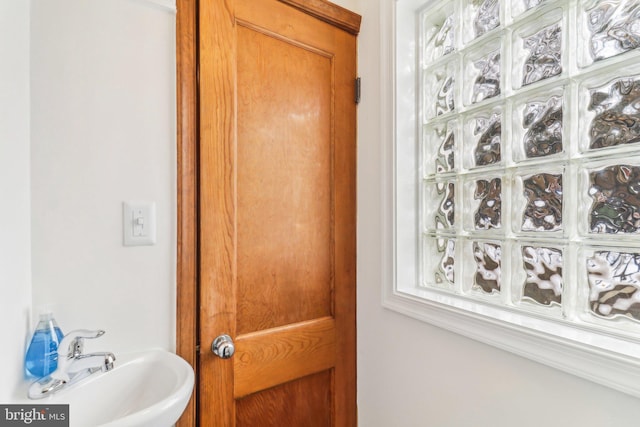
x: 277, y: 214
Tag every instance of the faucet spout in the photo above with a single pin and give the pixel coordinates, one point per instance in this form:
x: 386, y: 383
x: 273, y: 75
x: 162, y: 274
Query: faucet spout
x: 92, y: 362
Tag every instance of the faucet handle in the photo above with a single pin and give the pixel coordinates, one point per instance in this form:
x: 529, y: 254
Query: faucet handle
x: 72, y: 342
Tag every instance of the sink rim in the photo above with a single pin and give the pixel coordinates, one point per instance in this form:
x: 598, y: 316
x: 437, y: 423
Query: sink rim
x: 169, y: 402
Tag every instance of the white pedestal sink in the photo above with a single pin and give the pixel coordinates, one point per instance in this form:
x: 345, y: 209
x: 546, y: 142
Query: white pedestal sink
x: 146, y: 389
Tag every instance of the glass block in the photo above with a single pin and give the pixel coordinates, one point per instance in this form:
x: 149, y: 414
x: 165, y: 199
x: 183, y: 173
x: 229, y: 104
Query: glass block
x: 483, y: 203
x: 609, y: 28
x: 609, y: 111
x: 617, y: 113
x: 440, y: 262
x: 440, y: 148
x: 537, y: 201
x: 613, y: 277
x: 439, y: 90
x: 440, y: 205
x: 489, y: 212
x: 482, y: 72
x: 438, y: 32
x: 518, y: 7
x: 480, y: 17
x: 482, y: 135
x: 487, y: 276
x: 538, y: 124
x: 537, y: 269
x: 538, y: 45
x: 614, y: 192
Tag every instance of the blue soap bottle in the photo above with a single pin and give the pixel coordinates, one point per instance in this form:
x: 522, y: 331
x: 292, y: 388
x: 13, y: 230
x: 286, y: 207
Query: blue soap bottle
x: 42, y: 354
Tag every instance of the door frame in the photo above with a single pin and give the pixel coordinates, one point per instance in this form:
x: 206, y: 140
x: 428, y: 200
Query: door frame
x: 187, y: 198
x: 187, y: 105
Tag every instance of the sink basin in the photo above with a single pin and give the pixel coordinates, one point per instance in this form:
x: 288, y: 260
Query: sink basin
x: 149, y: 389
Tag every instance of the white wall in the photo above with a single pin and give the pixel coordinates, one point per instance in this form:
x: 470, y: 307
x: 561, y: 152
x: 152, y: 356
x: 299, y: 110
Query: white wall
x: 15, y: 276
x: 412, y: 374
x: 103, y: 131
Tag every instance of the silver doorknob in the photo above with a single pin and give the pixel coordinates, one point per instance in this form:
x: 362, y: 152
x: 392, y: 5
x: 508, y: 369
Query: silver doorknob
x: 223, y: 347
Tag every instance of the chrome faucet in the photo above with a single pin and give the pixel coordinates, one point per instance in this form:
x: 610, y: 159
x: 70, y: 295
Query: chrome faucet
x: 73, y: 365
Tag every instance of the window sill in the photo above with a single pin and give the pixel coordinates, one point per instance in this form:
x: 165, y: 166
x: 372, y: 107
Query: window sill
x: 590, y: 361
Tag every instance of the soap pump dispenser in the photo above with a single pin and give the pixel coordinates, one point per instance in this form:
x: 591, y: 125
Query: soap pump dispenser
x: 42, y: 355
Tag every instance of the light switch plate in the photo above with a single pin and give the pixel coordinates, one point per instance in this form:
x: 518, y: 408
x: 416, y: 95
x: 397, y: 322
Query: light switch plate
x: 139, y: 223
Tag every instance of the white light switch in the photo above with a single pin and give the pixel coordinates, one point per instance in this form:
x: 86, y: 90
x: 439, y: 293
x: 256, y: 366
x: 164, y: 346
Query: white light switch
x: 139, y: 223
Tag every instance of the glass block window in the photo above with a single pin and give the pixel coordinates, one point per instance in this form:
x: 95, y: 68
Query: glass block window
x: 529, y: 140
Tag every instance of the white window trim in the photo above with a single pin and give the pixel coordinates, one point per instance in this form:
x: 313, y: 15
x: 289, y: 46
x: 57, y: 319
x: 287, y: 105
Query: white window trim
x: 595, y: 355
